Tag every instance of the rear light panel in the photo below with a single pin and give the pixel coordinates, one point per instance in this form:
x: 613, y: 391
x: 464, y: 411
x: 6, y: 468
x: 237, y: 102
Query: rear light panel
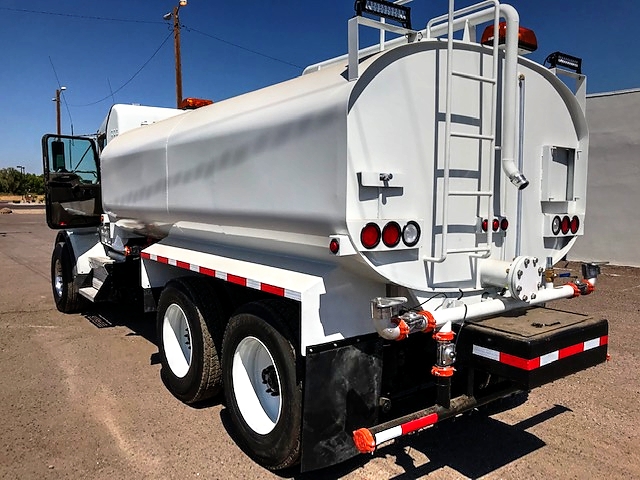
x: 386, y: 235
x: 562, y: 225
x: 499, y: 225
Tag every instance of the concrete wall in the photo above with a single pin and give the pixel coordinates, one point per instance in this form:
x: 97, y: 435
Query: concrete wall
x: 612, y: 224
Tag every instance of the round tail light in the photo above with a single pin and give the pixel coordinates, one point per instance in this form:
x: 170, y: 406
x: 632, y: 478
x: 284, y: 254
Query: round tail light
x: 485, y: 225
x: 411, y: 234
x: 495, y: 225
x: 575, y: 225
x: 391, y: 234
x: 565, y: 225
x: 504, y: 224
x: 555, y: 225
x: 334, y: 246
x: 370, y: 235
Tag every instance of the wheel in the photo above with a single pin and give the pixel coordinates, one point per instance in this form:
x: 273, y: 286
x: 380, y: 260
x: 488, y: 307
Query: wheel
x: 189, y: 324
x: 262, y: 391
x: 65, y: 291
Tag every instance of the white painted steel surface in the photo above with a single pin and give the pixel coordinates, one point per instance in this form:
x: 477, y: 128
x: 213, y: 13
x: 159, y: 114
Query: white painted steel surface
x: 259, y: 408
x: 285, y: 165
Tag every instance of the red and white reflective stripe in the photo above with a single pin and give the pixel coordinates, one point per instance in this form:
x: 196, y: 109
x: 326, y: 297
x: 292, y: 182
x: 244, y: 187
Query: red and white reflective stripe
x: 403, y: 429
x: 541, y: 361
x: 227, y: 277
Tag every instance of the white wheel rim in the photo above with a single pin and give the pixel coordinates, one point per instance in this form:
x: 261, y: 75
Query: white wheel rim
x: 259, y: 403
x: 57, y: 279
x: 176, y: 340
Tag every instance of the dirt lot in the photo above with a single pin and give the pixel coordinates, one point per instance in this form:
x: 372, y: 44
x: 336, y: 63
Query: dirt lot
x: 81, y: 397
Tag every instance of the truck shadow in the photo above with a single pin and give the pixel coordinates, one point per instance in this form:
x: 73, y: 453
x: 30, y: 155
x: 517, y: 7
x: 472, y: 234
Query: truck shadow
x: 472, y: 445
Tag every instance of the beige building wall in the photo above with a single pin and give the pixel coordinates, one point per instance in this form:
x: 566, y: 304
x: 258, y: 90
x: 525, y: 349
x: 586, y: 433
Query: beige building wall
x: 612, y: 224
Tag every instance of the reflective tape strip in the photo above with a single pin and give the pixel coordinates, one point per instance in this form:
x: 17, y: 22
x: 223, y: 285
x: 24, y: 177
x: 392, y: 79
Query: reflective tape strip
x: 227, y: 277
x: 541, y: 361
x: 405, y: 428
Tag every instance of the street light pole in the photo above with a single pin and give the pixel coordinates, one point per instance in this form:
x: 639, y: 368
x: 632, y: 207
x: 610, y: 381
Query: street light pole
x: 57, y: 100
x: 176, y: 43
x: 21, y: 168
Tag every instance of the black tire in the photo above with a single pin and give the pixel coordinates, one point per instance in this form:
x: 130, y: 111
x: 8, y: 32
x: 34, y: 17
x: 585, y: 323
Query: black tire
x: 267, y: 375
x: 196, y: 376
x: 65, y: 291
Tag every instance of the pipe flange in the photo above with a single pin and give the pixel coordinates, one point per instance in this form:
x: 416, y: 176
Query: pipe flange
x: 524, y: 278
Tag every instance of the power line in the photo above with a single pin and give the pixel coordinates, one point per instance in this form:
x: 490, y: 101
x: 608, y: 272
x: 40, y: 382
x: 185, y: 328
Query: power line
x: 241, y: 47
x: 64, y: 99
x: 131, y: 78
x: 148, y: 22
x: 86, y: 17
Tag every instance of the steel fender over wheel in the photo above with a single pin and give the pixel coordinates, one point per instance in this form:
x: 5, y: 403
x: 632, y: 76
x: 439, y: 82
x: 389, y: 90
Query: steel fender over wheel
x: 189, y: 324
x: 262, y: 391
x: 65, y: 291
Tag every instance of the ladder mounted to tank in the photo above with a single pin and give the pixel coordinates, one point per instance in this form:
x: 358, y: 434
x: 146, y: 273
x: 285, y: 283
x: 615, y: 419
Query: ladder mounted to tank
x: 468, y: 18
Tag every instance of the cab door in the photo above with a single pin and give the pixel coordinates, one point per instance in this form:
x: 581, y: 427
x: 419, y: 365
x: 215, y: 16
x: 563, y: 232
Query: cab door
x: 72, y: 181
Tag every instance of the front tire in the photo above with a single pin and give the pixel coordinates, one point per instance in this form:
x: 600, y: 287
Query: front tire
x: 189, y: 322
x: 65, y: 291
x: 262, y: 391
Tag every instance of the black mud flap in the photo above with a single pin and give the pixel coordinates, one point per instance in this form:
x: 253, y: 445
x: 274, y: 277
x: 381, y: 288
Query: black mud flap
x: 342, y: 387
x: 533, y: 347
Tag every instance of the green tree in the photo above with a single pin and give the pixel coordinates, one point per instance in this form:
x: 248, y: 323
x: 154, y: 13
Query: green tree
x: 10, y: 180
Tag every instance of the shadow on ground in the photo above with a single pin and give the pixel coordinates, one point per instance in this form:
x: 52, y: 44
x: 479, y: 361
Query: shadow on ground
x: 473, y: 445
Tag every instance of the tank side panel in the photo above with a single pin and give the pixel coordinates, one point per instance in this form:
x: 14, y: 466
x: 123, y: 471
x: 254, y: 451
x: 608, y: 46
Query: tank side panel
x: 274, y: 159
x: 279, y: 166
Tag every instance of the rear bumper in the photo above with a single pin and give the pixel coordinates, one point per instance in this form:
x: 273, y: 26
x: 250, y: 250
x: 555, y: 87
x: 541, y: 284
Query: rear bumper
x: 345, y: 386
x: 534, y: 347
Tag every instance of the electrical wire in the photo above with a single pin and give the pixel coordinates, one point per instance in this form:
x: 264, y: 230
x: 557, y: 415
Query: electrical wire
x: 255, y: 52
x: 131, y: 78
x: 85, y: 17
x: 64, y: 99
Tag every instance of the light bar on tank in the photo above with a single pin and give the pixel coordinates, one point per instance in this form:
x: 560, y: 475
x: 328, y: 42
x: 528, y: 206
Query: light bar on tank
x: 564, y: 60
x: 388, y: 10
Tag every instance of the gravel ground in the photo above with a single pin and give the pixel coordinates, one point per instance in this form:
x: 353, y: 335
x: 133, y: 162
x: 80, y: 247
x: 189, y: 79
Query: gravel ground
x: 78, y: 401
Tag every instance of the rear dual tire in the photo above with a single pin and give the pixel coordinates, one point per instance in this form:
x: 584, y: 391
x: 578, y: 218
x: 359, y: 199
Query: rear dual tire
x: 189, y: 323
x: 262, y: 390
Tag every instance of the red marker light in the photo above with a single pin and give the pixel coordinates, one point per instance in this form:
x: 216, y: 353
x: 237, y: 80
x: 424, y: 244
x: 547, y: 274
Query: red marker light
x: 391, y: 234
x: 565, y: 225
x: 370, y: 235
x: 334, y: 246
x: 575, y: 225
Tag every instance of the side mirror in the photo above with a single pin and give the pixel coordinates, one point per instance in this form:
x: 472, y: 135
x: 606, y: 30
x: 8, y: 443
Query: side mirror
x: 57, y: 153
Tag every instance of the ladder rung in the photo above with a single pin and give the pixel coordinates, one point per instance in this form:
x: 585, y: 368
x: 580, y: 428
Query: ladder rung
x: 472, y: 135
x: 470, y: 76
x: 463, y: 193
x: 469, y: 250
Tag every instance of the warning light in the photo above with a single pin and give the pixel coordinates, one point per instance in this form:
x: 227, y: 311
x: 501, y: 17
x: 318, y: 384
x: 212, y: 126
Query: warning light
x: 527, y: 41
x: 193, y: 103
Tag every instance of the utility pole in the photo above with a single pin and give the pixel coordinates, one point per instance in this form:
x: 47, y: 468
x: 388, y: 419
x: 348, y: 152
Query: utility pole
x: 176, y: 43
x: 57, y: 100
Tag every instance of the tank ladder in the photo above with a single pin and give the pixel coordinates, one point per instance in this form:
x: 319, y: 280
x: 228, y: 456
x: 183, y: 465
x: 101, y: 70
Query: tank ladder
x: 484, y: 196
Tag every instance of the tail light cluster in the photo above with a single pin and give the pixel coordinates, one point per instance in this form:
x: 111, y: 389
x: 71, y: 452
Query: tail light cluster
x: 565, y: 225
x: 391, y: 234
x: 496, y: 224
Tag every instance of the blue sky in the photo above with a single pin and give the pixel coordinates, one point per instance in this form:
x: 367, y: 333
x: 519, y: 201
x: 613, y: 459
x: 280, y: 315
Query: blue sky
x: 94, y: 56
